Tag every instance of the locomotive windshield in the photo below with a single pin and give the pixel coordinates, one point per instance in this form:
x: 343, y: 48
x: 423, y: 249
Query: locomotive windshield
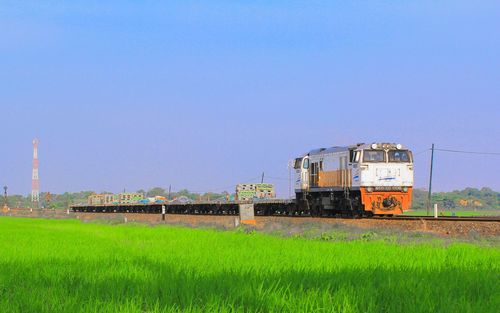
x: 399, y: 156
x: 374, y: 156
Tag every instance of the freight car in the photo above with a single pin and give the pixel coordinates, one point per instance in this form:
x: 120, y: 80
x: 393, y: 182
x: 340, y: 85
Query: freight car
x: 362, y: 179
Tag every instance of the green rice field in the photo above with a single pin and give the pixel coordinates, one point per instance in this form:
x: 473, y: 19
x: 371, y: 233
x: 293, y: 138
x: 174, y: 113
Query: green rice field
x: 70, y: 266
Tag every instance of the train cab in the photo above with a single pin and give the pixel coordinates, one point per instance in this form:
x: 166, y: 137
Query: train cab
x: 364, y: 178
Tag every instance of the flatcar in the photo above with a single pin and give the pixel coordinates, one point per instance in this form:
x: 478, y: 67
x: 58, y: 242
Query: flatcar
x: 361, y: 179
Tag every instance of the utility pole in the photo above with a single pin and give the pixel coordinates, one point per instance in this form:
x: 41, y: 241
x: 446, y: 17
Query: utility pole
x: 48, y: 198
x: 262, y: 180
x: 67, y: 201
x: 5, y: 196
x: 429, y: 197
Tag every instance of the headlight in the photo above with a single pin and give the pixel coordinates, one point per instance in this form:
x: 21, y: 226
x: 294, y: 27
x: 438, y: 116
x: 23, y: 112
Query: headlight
x: 399, y: 147
x: 374, y: 146
x: 405, y: 189
x: 369, y: 189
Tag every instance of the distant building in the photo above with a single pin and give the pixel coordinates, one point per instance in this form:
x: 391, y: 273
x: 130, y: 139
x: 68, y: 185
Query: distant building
x: 245, y: 192
x: 130, y: 197
x: 464, y: 203
x: 96, y: 199
x: 122, y: 198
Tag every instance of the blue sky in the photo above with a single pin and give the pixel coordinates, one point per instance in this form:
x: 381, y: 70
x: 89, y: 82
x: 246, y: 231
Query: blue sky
x: 203, y: 95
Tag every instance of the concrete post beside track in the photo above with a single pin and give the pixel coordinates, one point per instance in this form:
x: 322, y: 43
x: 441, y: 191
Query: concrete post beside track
x: 435, y: 210
x: 247, y: 215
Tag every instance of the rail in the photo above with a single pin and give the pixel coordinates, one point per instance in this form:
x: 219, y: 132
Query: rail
x: 442, y: 218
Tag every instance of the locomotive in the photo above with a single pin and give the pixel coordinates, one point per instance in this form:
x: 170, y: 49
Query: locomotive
x: 360, y: 180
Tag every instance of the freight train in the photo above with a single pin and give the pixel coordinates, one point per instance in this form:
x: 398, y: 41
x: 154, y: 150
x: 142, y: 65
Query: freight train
x: 361, y: 179
x: 357, y: 180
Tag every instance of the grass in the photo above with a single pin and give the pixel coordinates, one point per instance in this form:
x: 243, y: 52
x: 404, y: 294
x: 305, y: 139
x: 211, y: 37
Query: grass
x: 69, y: 266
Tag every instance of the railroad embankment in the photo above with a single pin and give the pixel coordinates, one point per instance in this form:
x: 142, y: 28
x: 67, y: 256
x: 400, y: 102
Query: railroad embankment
x: 287, y: 225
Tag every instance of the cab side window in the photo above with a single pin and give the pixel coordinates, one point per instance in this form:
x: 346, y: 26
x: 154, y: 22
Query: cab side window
x: 355, y: 157
x: 306, y: 164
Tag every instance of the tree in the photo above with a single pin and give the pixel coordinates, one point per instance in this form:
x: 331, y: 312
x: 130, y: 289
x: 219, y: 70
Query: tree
x: 448, y: 204
x: 185, y: 193
x: 156, y: 191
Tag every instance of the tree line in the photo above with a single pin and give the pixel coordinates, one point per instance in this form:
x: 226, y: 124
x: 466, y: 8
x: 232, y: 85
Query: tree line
x: 65, y: 200
x: 466, y: 199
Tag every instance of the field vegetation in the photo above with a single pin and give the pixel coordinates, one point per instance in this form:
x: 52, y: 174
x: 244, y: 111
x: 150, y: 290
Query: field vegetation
x: 468, y: 199
x: 69, y: 266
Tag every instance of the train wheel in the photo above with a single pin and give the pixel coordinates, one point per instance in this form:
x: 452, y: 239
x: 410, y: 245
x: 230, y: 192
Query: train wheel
x: 357, y: 214
x: 316, y: 210
x: 368, y: 214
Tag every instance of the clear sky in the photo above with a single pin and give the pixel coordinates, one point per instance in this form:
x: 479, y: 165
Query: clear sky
x: 206, y: 94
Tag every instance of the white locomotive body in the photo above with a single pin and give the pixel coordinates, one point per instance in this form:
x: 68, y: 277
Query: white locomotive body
x: 361, y: 179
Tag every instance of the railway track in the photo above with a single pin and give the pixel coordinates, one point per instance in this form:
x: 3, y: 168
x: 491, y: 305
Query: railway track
x: 443, y: 218
x: 277, y: 208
